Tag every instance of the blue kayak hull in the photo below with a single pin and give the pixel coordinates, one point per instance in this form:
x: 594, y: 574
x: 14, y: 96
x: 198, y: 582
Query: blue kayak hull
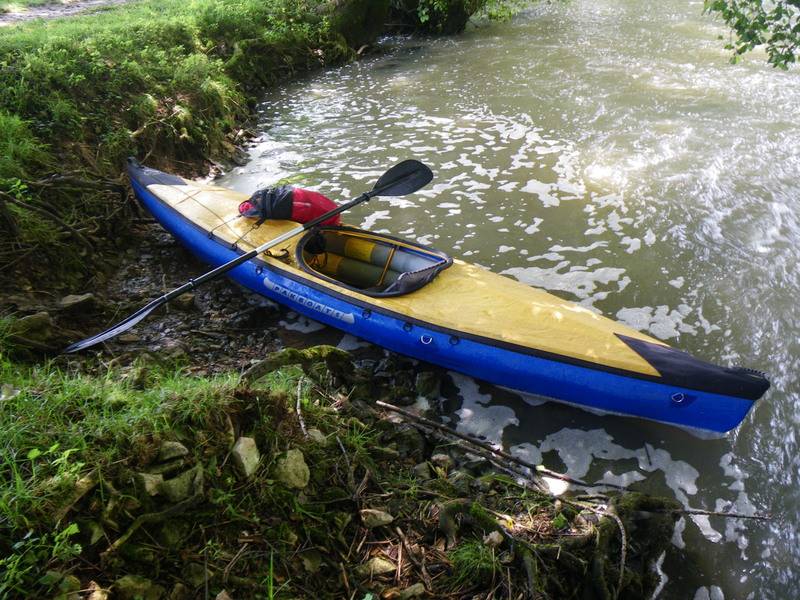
x: 562, y: 381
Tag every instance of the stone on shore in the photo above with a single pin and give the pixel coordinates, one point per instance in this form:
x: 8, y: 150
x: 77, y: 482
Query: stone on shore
x: 292, y: 470
x: 246, y: 456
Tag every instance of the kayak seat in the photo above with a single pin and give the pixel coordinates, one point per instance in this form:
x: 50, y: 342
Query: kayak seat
x: 372, y: 264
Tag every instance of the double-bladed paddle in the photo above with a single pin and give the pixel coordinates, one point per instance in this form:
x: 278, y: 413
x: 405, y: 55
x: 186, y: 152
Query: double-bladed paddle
x: 403, y: 178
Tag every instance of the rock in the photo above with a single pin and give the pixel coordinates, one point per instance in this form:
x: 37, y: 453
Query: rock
x: 409, y: 440
x: 312, y: 561
x: 38, y: 327
x: 292, y: 471
x: 77, y: 302
x: 135, y: 587
x: 170, y: 450
x: 184, y: 485
x: 173, y: 532
x: 179, y: 592
x: 422, y: 471
x: 166, y: 468
x: 494, y: 539
x: 375, y: 566
x: 246, y: 456
x: 403, y: 400
x: 428, y: 384
x: 128, y: 338
x: 185, y: 302
x: 412, y: 591
x: 150, y: 483
x: 372, y: 518
x: 442, y: 460
x: 96, y: 592
x: 318, y: 437
x: 385, y: 453
x: 223, y: 595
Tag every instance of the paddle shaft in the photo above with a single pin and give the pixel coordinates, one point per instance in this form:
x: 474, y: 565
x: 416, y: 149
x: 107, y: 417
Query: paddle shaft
x: 220, y: 270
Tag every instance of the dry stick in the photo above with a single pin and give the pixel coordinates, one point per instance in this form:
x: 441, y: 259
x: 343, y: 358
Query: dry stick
x: 535, y: 468
x: 297, y: 408
x: 32, y: 207
x: 544, y: 471
x: 624, y: 552
x: 426, y: 579
x: 713, y: 513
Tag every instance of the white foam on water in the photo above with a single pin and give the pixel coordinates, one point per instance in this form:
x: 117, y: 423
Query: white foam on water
x: 660, y: 321
x: 662, y: 577
x: 302, y: 324
x: 527, y: 452
x: 476, y: 416
x: 704, y: 525
x: 677, y: 533
x: 373, y: 217
x: 349, y: 343
x: 623, y: 479
x: 578, y: 279
x: 677, y: 282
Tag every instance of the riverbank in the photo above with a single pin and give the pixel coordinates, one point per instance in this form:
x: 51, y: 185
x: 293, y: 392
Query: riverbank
x: 287, y: 481
x: 173, y: 84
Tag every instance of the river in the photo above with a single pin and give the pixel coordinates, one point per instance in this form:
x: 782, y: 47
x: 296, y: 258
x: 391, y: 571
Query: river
x: 605, y: 150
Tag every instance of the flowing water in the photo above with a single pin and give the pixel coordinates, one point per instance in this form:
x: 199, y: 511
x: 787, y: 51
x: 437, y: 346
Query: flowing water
x: 607, y: 151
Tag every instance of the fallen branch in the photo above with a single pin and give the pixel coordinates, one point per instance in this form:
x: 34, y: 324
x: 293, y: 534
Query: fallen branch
x: 541, y: 470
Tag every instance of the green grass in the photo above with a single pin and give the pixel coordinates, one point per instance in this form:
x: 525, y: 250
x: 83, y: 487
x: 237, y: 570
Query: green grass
x: 474, y: 563
x: 157, y: 76
x: 170, y: 82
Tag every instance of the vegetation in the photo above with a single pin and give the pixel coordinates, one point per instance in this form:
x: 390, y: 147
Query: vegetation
x: 171, y: 82
x: 127, y: 478
x: 755, y: 22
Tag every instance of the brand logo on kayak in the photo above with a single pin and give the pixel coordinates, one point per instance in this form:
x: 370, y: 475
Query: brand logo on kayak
x: 308, y: 302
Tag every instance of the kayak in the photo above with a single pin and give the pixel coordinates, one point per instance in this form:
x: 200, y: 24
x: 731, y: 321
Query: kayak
x: 420, y: 302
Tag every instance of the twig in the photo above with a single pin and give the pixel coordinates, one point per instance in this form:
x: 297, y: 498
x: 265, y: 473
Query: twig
x: 535, y: 468
x: 300, y: 412
x: 623, y: 553
x: 426, y: 578
x: 235, y: 558
x: 341, y: 447
x: 713, y: 513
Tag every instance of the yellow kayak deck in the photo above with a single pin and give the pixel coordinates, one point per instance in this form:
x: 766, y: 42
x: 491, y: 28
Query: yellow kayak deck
x: 464, y: 297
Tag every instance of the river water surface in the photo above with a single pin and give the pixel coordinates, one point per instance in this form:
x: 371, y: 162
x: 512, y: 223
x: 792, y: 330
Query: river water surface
x: 605, y: 150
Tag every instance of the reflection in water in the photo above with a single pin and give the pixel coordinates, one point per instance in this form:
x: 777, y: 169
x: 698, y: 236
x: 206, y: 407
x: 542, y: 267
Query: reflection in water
x: 605, y: 150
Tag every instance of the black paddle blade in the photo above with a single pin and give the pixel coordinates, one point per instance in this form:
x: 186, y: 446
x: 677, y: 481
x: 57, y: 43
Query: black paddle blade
x: 116, y: 329
x: 403, y: 178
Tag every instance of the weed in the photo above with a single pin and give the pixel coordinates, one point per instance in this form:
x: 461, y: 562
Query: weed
x: 474, y: 563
